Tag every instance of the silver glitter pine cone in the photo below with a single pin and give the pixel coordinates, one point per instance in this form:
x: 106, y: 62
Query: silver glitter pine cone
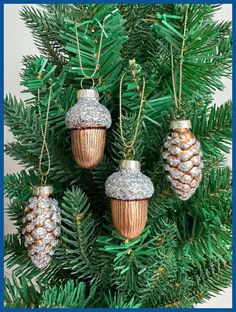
x: 129, y: 191
x: 42, y: 226
x: 88, y: 121
x: 182, y: 156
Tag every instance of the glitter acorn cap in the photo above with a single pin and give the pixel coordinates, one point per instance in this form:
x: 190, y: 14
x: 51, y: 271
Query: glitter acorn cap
x: 129, y: 183
x: 88, y: 112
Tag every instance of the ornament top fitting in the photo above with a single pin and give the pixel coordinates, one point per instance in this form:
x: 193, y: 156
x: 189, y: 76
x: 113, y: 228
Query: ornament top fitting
x: 45, y: 190
x: 129, y: 183
x: 129, y: 164
x: 88, y: 112
x: 180, y: 124
x: 87, y: 93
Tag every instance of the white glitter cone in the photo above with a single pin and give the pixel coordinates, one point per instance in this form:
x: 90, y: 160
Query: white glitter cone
x: 42, y: 226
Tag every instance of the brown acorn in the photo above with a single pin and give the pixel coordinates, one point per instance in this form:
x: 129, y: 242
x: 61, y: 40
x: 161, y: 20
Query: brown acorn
x: 182, y: 156
x: 129, y: 191
x: 129, y: 216
x: 88, y: 146
x: 88, y: 121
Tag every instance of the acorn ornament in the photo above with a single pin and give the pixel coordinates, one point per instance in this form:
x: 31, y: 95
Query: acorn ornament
x: 182, y: 156
x: 129, y: 191
x: 42, y: 225
x: 88, y: 121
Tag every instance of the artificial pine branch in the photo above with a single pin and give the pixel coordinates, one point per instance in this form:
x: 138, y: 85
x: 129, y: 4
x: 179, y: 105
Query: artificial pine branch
x: 45, y: 28
x: 214, y: 129
x: 20, y: 293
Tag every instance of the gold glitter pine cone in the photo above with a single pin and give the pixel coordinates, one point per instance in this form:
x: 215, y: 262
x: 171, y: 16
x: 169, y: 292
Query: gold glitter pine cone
x: 42, y: 226
x: 182, y: 155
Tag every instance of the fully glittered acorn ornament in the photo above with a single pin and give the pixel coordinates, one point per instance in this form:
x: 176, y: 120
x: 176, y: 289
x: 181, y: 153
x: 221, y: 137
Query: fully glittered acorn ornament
x: 42, y: 226
x: 88, y: 121
x: 129, y: 191
x: 182, y: 155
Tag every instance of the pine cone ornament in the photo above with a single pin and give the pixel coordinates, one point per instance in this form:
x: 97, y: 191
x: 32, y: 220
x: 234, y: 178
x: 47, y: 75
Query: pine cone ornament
x: 129, y: 191
x: 42, y: 226
x: 88, y: 121
x: 182, y: 157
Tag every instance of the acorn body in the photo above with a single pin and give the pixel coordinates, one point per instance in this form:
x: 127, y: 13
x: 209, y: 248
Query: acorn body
x: 42, y: 226
x: 182, y: 157
x: 129, y: 191
x: 88, y: 146
x: 88, y: 121
x: 129, y: 217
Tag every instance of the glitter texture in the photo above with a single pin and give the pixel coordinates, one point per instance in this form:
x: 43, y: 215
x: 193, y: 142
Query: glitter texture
x: 182, y: 160
x: 42, y: 224
x: 88, y: 112
x: 129, y: 184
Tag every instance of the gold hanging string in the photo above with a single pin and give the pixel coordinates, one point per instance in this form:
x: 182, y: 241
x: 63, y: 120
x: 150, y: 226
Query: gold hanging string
x: 129, y: 151
x: 178, y: 101
x: 98, y: 54
x: 44, y: 174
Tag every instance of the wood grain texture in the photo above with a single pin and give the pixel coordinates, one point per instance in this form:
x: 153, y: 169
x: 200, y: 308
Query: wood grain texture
x: 88, y: 146
x: 129, y: 216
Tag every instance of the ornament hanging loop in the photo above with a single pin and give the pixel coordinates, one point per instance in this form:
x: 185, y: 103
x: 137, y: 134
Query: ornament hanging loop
x: 82, y: 80
x: 178, y: 99
x: 44, y: 148
x: 129, y: 153
x: 97, y: 54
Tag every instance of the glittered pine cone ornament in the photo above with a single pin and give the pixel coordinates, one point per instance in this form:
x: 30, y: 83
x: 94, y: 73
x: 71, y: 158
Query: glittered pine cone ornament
x: 42, y: 226
x: 182, y: 155
x: 88, y: 121
x: 129, y: 191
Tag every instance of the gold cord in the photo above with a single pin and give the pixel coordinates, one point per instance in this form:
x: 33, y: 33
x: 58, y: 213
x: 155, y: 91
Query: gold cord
x: 98, y: 54
x: 129, y: 151
x: 178, y: 101
x: 44, y: 144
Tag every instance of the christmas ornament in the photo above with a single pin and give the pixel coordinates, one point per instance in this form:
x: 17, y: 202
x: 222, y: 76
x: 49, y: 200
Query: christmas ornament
x: 183, y: 159
x: 42, y: 220
x: 128, y: 188
x: 42, y: 225
x: 182, y: 153
x: 129, y: 191
x: 88, y: 121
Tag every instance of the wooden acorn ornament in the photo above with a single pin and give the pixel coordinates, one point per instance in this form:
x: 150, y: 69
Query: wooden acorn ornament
x: 88, y: 121
x: 182, y: 155
x: 129, y: 191
x: 42, y: 225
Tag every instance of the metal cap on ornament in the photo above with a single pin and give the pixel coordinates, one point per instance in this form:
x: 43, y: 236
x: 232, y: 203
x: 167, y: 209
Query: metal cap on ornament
x: 129, y: 164
x: 45, y: 190
x: 87, y: 93
x: 180, y: 124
